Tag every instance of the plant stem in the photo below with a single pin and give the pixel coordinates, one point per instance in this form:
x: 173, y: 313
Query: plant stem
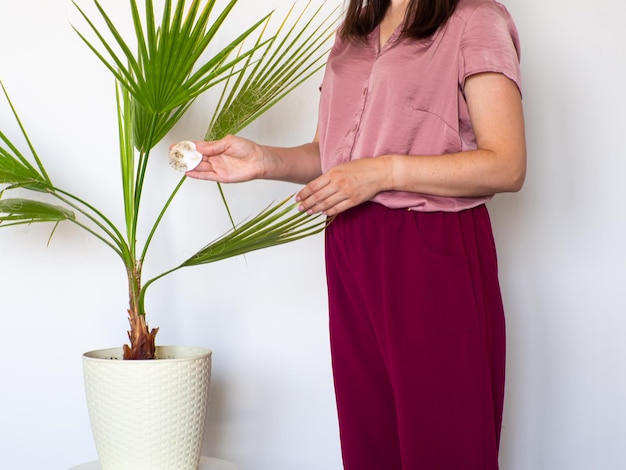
x: 140, y: 178
x: 142, y: 295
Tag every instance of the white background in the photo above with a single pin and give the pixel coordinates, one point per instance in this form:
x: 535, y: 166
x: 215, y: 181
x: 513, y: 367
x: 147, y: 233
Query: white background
x: 561, y: 244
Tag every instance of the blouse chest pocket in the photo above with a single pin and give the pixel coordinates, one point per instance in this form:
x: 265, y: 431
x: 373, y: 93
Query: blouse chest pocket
x: 428, y: 133
x: 418, y: 117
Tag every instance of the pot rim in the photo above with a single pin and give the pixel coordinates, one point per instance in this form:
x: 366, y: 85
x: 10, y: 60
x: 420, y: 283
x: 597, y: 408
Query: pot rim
x: 169, y: 353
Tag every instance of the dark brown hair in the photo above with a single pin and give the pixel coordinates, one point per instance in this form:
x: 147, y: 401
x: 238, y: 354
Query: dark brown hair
x: 423, y: 17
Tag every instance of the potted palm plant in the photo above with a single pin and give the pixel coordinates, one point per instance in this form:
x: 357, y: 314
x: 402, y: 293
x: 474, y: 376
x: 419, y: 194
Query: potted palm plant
x: 159, y: 71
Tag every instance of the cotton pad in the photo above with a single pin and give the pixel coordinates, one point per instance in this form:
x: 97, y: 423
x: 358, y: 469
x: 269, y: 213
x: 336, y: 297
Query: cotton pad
x: 184, y: 156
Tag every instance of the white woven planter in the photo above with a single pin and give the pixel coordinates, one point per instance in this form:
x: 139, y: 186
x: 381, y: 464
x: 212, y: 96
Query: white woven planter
x: 148, y: 415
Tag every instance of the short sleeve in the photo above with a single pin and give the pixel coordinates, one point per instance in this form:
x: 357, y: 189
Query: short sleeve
x: 490, y: 43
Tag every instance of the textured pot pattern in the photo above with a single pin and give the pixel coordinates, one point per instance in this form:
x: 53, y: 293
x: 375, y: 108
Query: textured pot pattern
x: 148, y: 415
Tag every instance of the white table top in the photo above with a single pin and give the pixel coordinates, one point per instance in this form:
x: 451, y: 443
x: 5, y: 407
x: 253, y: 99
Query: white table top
x: 206, y: 463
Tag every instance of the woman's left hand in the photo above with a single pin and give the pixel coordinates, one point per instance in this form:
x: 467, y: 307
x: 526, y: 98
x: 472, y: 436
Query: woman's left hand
x: 346, y: 186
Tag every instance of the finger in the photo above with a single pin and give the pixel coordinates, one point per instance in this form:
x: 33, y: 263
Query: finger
x: 334, y: 204
x: 313, y: 187
x: 204, y: 170
x: 309, y: 199
x: 339, y: 207
x: 204, y: 175
x: 322, y: 201
x: 211, y: 148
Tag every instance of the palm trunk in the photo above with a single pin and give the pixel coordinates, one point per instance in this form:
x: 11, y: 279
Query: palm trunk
x: 142, y: 339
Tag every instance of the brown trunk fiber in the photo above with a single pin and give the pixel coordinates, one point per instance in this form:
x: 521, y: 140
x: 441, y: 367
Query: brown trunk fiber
x: 142, y: 339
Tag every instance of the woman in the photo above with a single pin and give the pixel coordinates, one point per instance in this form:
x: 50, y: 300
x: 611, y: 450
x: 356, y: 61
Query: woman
x: 420, y: 123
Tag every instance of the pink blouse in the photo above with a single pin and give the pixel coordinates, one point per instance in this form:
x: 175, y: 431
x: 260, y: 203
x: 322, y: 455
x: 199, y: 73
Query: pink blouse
x: 407, y: 98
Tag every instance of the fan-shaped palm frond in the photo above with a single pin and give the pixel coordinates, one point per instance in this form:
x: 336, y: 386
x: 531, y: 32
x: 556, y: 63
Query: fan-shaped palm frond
x: 294, y: 54
x: 276, y: 225
x: 161, y: 74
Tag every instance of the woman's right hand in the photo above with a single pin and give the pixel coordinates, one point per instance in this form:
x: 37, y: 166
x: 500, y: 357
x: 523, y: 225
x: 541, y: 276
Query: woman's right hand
x: 229, y: 160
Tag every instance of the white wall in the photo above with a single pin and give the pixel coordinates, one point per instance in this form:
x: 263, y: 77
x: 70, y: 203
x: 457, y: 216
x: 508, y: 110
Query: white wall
x: 560, y: 241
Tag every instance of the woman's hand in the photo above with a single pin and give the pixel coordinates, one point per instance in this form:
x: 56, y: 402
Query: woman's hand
x: 346, y: 186
x: 229, y: 160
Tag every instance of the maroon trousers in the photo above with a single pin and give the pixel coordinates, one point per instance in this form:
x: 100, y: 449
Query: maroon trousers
x: 417, y: 338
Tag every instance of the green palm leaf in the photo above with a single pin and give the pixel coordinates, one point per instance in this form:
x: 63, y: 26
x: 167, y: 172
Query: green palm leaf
x: 274, y: 226
x: 15, y: 172
x: 18, y: 211
x: 161, y: 74
x: 15, y: 169
x: 149, y: 127
x: 293, y: 55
